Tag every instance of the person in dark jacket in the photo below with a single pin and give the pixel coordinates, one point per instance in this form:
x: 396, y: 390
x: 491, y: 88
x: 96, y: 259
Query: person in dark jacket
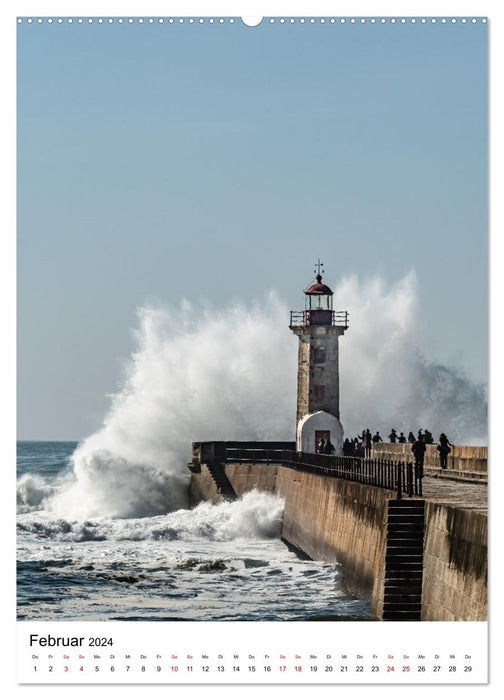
x: 444, y: 450
x: 401, y: 438
x: 418, y: 449
x: 428, y: 439
x: 321, y: 446
x: 376, y: 437
x: 366, y: 442
x: 348, y: 448
x: 393, y: 435
x: 358, y: 448
x: 329, y: 448
x: 411, y: 437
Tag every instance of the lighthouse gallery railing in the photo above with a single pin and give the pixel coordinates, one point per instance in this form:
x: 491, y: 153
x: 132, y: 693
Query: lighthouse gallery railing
x: 405, y: 478
x: 302, y: 318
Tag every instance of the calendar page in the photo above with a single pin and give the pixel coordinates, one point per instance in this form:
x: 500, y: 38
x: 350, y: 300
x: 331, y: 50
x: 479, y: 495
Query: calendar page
x: 252, y: 440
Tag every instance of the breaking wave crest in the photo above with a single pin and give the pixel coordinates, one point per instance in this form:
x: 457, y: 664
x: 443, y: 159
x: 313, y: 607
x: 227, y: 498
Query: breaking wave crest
x: 255, y: 516
x: 203, y: 374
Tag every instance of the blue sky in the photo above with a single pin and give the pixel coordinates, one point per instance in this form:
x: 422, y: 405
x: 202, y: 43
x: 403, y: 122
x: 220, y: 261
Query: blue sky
x: 217, y: 162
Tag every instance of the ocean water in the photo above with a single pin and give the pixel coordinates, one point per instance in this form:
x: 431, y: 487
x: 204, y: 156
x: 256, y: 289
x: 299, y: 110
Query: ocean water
x: 223, y: 562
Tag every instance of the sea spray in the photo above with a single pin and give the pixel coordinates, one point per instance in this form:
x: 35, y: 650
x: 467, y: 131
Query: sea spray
x: 205, y: 374
x: 257, y: 515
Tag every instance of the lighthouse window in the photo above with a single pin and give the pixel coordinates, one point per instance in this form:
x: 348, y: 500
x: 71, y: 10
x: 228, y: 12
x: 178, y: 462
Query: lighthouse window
x: 319, y: 392
x: 319, y: 356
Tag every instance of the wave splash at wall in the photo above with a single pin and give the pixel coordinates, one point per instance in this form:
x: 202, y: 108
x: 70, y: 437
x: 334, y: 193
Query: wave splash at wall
x: 203, y: 374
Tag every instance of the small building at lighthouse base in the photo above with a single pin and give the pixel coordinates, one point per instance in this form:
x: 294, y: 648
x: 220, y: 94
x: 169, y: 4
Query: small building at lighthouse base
x: 314, y: 426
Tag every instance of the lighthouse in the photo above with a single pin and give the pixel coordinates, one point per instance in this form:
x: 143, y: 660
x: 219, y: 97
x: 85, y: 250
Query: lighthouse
x: 318, y: 328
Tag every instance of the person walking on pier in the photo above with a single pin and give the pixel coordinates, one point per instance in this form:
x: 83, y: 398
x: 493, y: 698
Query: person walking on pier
x: 393, y: 435
x: 418, y: 449
x: 444, y: 450
x: 401, y: 438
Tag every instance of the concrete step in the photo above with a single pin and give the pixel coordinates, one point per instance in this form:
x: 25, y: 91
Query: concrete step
x: 406, y: 616
x: 414, y: 543
x: 406, y: 607
x: 405, y: 527
x: 395, y: 567
x: 403, y: 598
x: 414, y: 548
x: 413, y: 588
x: 406, y: 509
x: 406, y: 503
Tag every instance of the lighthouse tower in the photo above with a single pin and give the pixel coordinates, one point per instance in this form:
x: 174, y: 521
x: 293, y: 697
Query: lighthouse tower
x: 318, y: 328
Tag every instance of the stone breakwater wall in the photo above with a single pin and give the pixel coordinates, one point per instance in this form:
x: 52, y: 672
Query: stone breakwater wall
x: 455, y: 563
x: 337, y: 521
x: 462, y: 458
x: 245, y: 477
x: 341, y: 521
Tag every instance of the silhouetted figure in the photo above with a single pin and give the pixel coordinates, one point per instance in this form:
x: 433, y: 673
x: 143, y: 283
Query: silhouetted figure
x: 348, y: 448
x: 366, y: 442
x: 444, y: 450
x: 420, y: 435
x: 411, y: 437
x: 321, y: 446
x: 418, y: 449
x: 393, y: 435
x: 329, y: 447
x: 358, y: 448
x: 376, y: 437
x: 401, y: 438
x: 428, y: 439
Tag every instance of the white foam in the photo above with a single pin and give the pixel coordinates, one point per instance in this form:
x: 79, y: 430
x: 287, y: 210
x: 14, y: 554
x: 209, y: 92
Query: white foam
x: 206, y: 374
x: 256, y: 516
x: 32, y: 492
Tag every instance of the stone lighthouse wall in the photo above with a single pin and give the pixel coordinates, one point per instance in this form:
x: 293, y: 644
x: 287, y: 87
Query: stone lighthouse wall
x: 303, y: 386
x: 318, y: 370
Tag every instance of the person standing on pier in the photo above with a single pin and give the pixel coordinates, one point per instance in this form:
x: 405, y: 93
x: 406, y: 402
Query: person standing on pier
x: 393, y: 435
x: 411, y: 437
x: 418, y: 449
x: 329, y: 447
x: 428, y: 439
x: 401, y: 438
x: 377, y: 437
x: 444, y: 450
x: 348, y: 448
x: 321, y: 446
x: 366, y: 442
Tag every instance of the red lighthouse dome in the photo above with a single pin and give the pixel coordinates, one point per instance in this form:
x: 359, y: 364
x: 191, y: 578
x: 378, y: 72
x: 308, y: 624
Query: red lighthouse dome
x: 319, y: 288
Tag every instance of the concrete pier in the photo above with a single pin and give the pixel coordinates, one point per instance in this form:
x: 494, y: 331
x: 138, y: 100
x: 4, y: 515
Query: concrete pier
x: 336, y: 520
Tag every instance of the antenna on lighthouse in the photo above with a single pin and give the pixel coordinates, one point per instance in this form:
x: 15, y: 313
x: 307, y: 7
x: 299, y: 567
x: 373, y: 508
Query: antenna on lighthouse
x: 319, y: 266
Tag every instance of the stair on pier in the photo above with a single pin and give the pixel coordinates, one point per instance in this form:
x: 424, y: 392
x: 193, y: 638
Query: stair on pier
x: 223, y: 484
x: 404, y: 560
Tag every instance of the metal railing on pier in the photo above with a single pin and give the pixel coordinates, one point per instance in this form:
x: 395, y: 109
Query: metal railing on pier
x: 405, y: 478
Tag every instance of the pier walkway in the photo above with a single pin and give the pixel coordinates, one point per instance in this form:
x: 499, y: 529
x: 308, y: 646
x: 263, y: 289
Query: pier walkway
x: 456, y: 493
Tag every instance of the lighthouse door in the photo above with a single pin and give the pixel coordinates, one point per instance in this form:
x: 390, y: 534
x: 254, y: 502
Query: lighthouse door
x: 319, y: 435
